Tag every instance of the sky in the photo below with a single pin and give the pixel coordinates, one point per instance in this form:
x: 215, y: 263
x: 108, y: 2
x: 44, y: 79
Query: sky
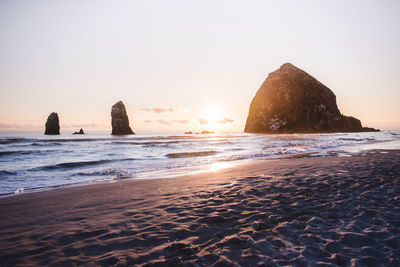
x: 179, y: 64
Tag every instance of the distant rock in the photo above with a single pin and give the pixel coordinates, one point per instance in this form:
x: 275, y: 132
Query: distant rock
x: 189, y: 132
x: 207, y: 132
x: 52, y: 124
x: 80, y: 132
x: 292, y: 101
x: 119, y: 120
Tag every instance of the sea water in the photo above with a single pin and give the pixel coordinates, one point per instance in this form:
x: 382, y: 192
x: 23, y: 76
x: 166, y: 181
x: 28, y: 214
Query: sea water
x: 35, y: 162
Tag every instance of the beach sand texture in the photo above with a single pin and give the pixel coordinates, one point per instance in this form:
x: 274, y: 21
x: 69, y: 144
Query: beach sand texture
x: 305, y: 211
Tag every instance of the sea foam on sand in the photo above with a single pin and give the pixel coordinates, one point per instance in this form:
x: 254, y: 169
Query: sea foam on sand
x: 305, y: 211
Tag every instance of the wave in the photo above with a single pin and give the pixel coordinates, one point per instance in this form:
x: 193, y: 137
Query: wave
x: 293, y: 137
x: 5, y: 141
x: 23, y: 152
x: 77, y: 164
x: 20, y: 152
x: 246, y: 156
x: 191, y: 154
x: 4, y: 172
x: 45, y: 144
x: 352, y: 139
x: 117, y: 139
x: 6, y: 153
x: 108, y: 172
x: 285, y: 153
x: 154, y: 143
x: 68, y: 165
x: 67, y: 140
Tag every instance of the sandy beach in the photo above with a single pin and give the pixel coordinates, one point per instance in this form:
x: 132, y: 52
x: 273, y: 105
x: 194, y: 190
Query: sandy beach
x: 305, y: 211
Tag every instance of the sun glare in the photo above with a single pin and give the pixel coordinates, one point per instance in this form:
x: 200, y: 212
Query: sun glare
x: 213, y: 114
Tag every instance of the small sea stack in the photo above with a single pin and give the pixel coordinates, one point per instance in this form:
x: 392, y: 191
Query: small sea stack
x: 52, y: 124
x: 79, y: 132
x: 292, y: 101
x: 119, y: 120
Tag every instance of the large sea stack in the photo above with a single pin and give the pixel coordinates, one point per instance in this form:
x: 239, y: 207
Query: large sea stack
x: 52, y: 124
x: 292, y: 101
x: 119, y: 120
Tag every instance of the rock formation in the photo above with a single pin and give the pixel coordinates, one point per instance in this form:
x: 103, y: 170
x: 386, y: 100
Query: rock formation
x: 292, y: 101
x: 80, y: 132
x: 119, y: 120
x: 52, y: 124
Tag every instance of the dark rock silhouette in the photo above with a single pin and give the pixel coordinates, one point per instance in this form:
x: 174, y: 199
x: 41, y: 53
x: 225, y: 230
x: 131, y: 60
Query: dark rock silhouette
x: 292, y: 101
x: 189, y: 132
x: 119, y: 120
x: 80, y: 132
x: 52, y: 124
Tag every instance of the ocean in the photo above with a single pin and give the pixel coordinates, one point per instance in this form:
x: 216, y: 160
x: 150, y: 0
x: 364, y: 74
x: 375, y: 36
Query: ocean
x: 35, y: 162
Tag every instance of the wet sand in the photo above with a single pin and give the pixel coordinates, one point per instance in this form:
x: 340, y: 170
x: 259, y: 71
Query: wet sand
x: 303, y: 211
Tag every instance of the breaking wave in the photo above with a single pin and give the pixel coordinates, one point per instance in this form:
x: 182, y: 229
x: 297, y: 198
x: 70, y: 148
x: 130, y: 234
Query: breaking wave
x: 191, y: 154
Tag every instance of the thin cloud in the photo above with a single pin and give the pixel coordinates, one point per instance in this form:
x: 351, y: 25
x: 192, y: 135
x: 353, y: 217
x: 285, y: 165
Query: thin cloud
x: 225, y: 120
x: 203, y: 121
x: 160, y: 110
x: 93, y: 125
x: 9, y: 125
x: 19, y: 126
x: 181, y: 121
x: 164, y: 122
x: 167, y: 122
x: 158, y: 121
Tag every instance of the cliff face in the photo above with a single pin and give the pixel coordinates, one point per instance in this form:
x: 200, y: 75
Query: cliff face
x: 292, y: 101
x: 119, y: 120
x: 52, y: 124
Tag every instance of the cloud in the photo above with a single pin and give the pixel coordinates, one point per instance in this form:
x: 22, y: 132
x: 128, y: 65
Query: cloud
x: 160, y: 110
x: 181, y: 121
x: 5, y: 125
x: 167, y: 122
x: 164, y: 122
x: 89, y: 125
x: 225, y: 120
x: 10, y: 125
x: 203, y: 121
x: 158, y: 121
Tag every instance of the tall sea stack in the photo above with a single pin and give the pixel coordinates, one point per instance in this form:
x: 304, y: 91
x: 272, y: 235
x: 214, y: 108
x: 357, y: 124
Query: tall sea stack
x: 292, y: 101
x: 52, y: 124
x: 119, y: 120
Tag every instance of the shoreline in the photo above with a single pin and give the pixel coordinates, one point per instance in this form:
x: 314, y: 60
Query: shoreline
x: 326, y: 210
x: 198, y: 170
x: 192, y: 174
x: 30, y: 165
x: 204, y: 169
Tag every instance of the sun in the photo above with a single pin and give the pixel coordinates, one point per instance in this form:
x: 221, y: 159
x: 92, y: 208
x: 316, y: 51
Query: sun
x: 213, y: 114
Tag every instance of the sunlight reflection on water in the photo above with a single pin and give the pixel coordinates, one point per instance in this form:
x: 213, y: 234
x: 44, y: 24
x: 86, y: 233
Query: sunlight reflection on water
x: 219, y: 166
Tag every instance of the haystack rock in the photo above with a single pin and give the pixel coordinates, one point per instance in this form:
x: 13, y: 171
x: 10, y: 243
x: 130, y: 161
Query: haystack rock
x: 119, y: 120
x: 52, y: 124
x: 292, y: 101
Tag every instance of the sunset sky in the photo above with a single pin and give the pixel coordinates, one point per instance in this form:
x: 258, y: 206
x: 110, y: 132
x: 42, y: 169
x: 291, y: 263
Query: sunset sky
x: 178, y: 64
